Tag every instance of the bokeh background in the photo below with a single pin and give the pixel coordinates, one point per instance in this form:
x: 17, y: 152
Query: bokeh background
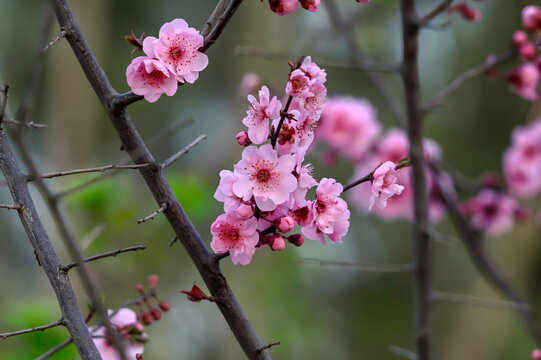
x: 315, y: 311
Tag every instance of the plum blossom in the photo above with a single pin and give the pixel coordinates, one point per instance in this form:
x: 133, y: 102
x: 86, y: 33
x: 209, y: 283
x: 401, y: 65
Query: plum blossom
x: 524, y: 81
x: 531, y: 18
x: 520, y: 38
x: 310, y: 5
x: 491, y: 212
x: 283, y: 7
x: 260, y: 114
x: 349, y: 126
x: 177, y: 48
x: 536, y: 354
x: 299, y: 84
x: 150, y: 78
x: 384, y: 185
x: 126, y: 325
x: 330, y: 214
x: 265, y: 176
x: 239, y: 237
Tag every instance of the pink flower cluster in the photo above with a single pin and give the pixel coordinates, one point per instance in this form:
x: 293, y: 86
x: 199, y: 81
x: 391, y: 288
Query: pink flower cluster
x: 525, y: 78
x: 522, y: 161
x: 125, y: 323
x: 284, y: 7
x: 171, y: 58
x: 265, y: 195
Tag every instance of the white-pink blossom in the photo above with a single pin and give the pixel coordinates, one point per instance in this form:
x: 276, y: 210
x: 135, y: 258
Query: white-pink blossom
x: 330, y: 214
x: 150, y: 78
x: 125, y: 323
x: 260, y: 114
x: 234, y: 235
x: 177, y: 48
x: 384, y: 185
x: 299, y: 84
x: 265, y: 176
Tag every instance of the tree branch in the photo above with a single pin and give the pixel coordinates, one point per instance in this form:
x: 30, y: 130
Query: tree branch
x: 34, y: 329
x: 10, y: 207
x: 221, y: 23
x: 377, y: 268
x: 456, y: 298
x: 89, y: 170
x: 160, y: 188
x: 55, y: 40
x: 421, y: 227
x: 444, y: 5
x: 183, y: 151
x: 5, y: 90
x: 154, y: 214
x: 104, y: 255
x: 30, y: 124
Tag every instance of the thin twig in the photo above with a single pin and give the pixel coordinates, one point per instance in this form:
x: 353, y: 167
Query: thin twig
x: 172, y: 242
x: 365, y: 66
x: 187, y: 149
x: 104, y: 255
x: 30, y: 124
x: 440, y: 296
x: 55, y: 40
x: 284, y: 111
x: 347, y: 31
x: 377, y: 268
x: 403, y: 352
x: 490, y: 62
x: 154, y: 214
x: 34, y: 329
x: 357, y: 182
x: 268, y: 346
x: 444, y: 5
x: 54, y: 350
x: 10, y: 207
x: 89, y: 170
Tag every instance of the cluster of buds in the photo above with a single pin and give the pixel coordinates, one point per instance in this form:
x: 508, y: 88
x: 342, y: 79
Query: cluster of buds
x: 265, y: 196
x: 284, y: 7
x: 148, y: 313
x: 170, y: 59
x: 525, y: 78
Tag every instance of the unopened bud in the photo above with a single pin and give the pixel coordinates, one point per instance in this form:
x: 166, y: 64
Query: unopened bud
x: 242, y: 139
x: 296, y: 239
x: 520, y: 38
x: 528, y: 51
x: 153, y: 281
x: 164, y: 305
x: 139, y: 327
x: 140, y: 288
x: 156, y: 314
x: 285, y: 224
x: 146, y: 318
x: 536, y: 354
x: 245, y: 211
x: 278, y: 243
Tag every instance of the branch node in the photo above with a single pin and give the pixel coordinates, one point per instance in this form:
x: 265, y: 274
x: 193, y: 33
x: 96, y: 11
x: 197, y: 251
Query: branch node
x: 153, y: 215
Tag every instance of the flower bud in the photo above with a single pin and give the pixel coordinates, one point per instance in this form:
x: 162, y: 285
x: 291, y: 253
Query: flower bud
x: 156, y: 314
x: 140, y: 288
x: 528, y: 51
x: 520, y: 38
x: 146, y: 318
x: 285, y: 224
x: 139, y: 327
x: 278, y: 243
x: 153, y: 281
x: 242, y: 139
x: 164, y: 305
x: 245, y: 211
x: 536, y: 354
x: 296, y: 239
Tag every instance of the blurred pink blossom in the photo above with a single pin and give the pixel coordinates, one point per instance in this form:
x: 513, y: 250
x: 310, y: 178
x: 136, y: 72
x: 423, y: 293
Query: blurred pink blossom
x: 384, y: 185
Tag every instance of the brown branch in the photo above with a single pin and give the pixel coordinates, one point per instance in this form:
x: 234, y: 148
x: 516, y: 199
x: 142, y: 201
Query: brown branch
x: 45, y: 252
x: 484, y: 264
x: 34, y: 329
x: 30, y: 124
x: 55, y: 40
x: 490, y: 63
x: 221, y: 23
x: 444, y: 5
x: 421, y: 226
x: 89, y: 170
x: 381, y: 87
x: 154, y: 214
x: 465, y: 299
x: 10, y: 207
x: 365, y: 66
x: 377, y: 268
x: 357, y: 182
x: 183, y: 151
x: 104, y: 255
x: 220, y: 9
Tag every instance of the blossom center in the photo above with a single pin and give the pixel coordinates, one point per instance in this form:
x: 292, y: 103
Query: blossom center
x: 176, y: 53
x: 263, y: 175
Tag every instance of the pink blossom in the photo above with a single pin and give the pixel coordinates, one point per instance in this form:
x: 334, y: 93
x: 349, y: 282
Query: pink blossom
x: 491, y: 212
x: 305, y: 181
x: 524, y: 81
x: 265, y: 176
x: 310, y: 5
x: 330, y: 213
x: 177, y: 48
x: 313, y: 71
x: 467, y: 12
x: 239, y: 237
x: 531, y: 17
x: 384, y: 185
x: 249, y: 83
x: 285, y: 224
x: 148, y: 77
x: 283, y: 7
x: 126, y: 325
x: 536, y: 354
x: 528, y: 51
x: 520, y: 38
x: 299, y: 84
x: 260, y: 114
x: 349, y: 126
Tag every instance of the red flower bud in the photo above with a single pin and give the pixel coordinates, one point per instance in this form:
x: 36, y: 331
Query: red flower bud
x: 156, y: 314
x: 146, y: 318
x: 140, y: 288
x: 153, y: 281
x: 242, y: 139
x: 296, y: 239
x: 164, y: 305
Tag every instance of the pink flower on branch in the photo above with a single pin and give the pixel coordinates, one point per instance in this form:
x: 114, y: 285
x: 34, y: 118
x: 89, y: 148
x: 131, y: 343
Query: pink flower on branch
x: 260, y: 114
x: 177, y: 48
x: 126, y: 325
x: 236, y: 236
x: 150, y: 78
x: 531, y: 18
x: 524, y: 81
x: 265, y: 176
x: 283, y: 7
x: 384, y: 185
